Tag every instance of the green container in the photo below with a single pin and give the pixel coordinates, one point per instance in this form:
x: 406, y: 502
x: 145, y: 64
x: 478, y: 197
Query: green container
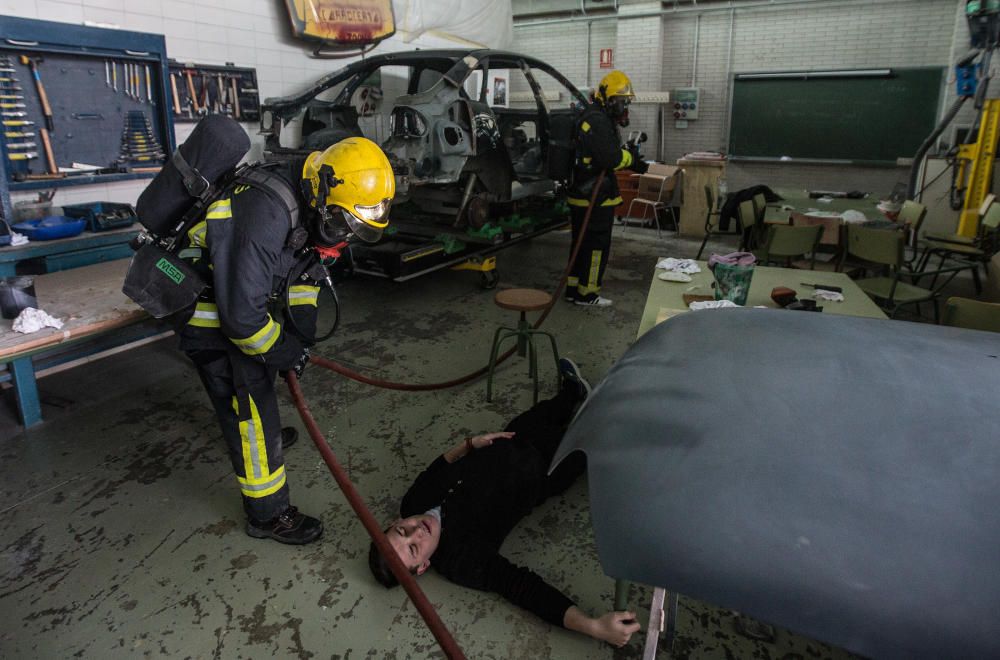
x: 732, y: 282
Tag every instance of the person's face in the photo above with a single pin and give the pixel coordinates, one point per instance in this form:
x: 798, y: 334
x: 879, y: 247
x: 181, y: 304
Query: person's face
x: 415, y: 539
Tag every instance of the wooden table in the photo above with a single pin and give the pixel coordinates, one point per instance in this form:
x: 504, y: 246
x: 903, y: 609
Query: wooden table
x: 89, y: 302
x: 665, y: 298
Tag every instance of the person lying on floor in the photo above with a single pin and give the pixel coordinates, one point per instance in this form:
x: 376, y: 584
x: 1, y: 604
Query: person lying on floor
x: 463, y: 505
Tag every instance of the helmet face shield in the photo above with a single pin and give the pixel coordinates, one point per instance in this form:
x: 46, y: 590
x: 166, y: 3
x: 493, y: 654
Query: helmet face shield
x: 366, y: 232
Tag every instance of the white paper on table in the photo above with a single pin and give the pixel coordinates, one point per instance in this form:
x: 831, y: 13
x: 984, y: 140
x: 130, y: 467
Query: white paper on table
x: 686, y: 266
x: 711, y: 304
x: 32, y: 320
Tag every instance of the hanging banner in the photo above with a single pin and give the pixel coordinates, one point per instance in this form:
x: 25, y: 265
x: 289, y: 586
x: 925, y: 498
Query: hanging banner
x: 346, y: 22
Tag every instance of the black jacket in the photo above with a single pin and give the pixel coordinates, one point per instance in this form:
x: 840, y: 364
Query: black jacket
x: 482, y: 496
x: 240, y: 250
x: 598, y: 147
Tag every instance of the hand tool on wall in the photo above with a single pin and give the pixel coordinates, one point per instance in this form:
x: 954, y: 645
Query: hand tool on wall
x: 18, y: 122
x: 236, y: 97
x: 221, y: 92
x: 136, y: 91
x: 114, y: 76
x: 176, y: 96
x: 149, y: 90
x: 203, y: 101
x: 192, y: 96
x: 107, y: 73
x: 46, y: 108
x: 50, y: 159
x: 12, y: 105
x: 11, y: 113
x: 10, y: 96
x: 18, y: 134
x: 25, y: 156
x: 21, y: 145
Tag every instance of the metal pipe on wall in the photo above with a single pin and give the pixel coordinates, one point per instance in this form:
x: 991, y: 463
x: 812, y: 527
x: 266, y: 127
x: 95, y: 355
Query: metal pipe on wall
x: 697, y: 43
x: 729, y: 81
x: 730, y: 6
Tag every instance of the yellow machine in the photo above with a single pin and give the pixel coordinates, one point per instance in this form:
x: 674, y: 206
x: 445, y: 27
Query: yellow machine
x: 975, y: 167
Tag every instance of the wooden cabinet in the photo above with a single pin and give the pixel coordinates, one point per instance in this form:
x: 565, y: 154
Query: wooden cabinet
x: 697, y: 175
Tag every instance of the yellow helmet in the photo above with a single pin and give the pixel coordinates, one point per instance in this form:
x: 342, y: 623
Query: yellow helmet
x: 353, y: 174
x: 614, y: 84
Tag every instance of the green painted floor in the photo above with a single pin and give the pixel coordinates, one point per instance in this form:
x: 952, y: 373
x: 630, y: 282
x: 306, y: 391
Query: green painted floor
x: 122, y: 526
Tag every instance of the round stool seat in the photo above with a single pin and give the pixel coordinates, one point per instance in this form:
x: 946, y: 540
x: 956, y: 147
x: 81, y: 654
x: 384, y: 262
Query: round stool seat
x: 522, y: 300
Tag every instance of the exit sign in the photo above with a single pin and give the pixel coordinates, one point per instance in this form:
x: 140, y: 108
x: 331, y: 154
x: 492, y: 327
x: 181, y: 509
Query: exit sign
x: 607, y: 58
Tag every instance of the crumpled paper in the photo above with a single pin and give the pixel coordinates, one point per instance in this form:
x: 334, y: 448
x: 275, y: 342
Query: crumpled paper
x: 711, y: 304
x: 17, y: 239
x: 826, y: 294
x: 687, y: 266
x: 32, y: 320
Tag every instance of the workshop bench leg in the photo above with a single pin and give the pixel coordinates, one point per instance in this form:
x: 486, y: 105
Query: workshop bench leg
x: 26, y: 390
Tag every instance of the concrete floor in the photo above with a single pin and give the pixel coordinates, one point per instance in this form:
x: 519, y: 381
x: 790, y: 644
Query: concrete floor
x: 123, y: 527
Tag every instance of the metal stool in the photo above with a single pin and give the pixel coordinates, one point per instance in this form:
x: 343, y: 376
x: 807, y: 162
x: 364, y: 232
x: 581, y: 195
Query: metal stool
x: 523, y: 301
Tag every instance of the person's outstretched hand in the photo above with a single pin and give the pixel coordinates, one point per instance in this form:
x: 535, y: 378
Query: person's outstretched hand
x: 485, y: 440
x: 615, y: 627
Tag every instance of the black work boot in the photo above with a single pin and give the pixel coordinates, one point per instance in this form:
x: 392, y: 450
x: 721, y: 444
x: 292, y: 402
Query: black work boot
x: 289, y: 436
x: 289, y: 527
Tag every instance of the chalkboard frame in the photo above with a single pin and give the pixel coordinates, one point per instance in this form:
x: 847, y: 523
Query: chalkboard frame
x: 921, y: 114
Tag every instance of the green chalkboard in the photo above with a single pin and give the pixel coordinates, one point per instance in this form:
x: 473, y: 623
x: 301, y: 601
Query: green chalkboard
x: 857, y: 118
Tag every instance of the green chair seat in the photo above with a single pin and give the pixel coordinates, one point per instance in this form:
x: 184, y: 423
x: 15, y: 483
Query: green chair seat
x: 880, y: 287
x: 955, y: 248
x: 950, y: 238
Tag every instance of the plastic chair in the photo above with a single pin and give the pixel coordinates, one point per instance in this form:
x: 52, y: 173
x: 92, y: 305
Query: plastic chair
x: 885, y: 247
x: 523, y: 301
x: 911, y: 216
x: 747, y: 215
x: 971, y: 256
x: 714, y: 210
x: 971, y: 314
x: 665, y: 199
x: 785, y: 242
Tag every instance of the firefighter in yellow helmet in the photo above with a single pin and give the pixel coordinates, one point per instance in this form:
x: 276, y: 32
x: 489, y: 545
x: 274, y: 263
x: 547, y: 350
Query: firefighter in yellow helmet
x: 260, y: 248
x: 599, y: 148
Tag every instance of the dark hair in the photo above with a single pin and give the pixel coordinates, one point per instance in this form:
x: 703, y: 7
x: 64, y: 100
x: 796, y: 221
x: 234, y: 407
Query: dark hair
x: 380, y: 567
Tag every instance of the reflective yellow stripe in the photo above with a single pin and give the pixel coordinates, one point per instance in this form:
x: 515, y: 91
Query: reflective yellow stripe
x: 220, y: 210
x: 265, y: 485
x: 625, y: 161
x: 206, y: 315
x: 585, y: 127
x: 586, y: 160
x: 253, y: 445
x: 303, y: 294
x: 613, y: 201
x: 262, y: 340
x: 572, y: 281
x: 196, y: 235
x: 595, y: 268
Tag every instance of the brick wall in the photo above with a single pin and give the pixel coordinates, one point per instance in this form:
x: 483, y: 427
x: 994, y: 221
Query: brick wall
x: 250, y: 33
x: 808, y: 35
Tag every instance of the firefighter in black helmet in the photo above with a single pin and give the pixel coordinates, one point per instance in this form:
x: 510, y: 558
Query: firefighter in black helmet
x: 598, y: 148
x: 251, y: 254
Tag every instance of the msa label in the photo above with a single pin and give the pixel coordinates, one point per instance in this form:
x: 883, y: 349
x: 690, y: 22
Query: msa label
x: 170, y: 270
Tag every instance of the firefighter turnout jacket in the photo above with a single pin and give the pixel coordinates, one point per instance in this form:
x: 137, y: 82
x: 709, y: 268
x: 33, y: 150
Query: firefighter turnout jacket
x: 241, y: 250
x: 598, y: 148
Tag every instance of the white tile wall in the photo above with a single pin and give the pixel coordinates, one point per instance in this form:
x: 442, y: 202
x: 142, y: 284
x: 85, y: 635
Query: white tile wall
x: 246, y: 32
x: 850, y: 34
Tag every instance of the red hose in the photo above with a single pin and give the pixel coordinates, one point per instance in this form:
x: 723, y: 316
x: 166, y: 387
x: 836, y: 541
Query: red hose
x: 410, y: 387
x: 424, y: 607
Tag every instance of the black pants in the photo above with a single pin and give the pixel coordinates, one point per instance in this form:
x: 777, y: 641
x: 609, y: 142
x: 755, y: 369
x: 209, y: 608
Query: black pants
x: 587, y: 273
x: 543, y: 426
x: 242, y: 392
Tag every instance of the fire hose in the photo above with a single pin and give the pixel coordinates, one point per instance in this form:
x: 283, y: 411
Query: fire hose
x: 364, y: 514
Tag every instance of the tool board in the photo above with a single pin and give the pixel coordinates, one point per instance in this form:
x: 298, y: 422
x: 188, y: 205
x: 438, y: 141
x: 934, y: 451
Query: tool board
x: 97, y: 96
x: 197, y: 90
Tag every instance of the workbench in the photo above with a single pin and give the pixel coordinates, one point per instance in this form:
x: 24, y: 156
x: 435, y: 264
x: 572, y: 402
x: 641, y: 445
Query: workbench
x: 96, y: 316
x: 63, y: 253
